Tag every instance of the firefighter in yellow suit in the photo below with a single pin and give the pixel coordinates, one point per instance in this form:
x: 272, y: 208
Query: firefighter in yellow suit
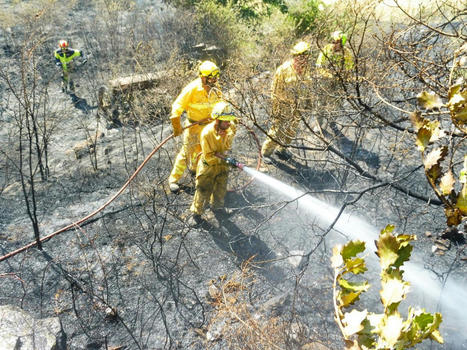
x: 287, y: 92
x: 196, y: 100
x: 334, y: 64
x: 335, y: 58
x: 212, y: 172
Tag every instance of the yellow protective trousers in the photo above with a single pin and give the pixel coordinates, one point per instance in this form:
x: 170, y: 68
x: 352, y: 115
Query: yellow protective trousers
x: 289, y: 90
x: 189, y: 153
x: 283, y: 130
x: 211, y: 186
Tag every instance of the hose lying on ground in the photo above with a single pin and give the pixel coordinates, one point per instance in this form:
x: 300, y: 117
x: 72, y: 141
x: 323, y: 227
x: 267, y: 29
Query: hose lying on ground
x: 79, y: 222
x: 120, y: 191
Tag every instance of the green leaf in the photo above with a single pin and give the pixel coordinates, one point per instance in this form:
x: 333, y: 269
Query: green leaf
x: 347, y: 298
x: 423, y: 320
x: 434, y: 173
x: 453, y: 90
x: 351, y: 249
x: 423, y: 138
x: 419, y: 326
x: 460, y: 115
x: 461, y: 203
x: 353, y: 322
x: 387, y: 249
x: 463, y: 172
x: 404, y: 255
x: 429, y: 100
x: 354, y: 286
x: 356, y: 266
x: 393, y: 291
x: 366, y: 336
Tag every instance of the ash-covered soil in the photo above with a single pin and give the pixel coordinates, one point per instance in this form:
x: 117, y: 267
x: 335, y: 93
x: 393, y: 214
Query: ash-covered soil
x: 136, y: 275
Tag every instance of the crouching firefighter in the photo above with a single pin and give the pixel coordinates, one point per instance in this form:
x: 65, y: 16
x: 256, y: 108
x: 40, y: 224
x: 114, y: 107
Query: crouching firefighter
x: 64, y: 56
x: 212, y: 171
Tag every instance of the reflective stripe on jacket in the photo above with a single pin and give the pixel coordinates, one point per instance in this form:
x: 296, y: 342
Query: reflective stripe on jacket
x: 67, y: 56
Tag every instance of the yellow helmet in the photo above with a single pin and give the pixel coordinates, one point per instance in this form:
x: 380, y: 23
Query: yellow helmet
x: 223, y: 111
x: 338, y: 35
x: 208, y: 69
x: 302, y: 48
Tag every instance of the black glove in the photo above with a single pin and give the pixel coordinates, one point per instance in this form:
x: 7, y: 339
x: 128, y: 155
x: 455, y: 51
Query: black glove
x: 231, y: 161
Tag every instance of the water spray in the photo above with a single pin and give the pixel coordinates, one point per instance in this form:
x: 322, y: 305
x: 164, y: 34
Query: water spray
x: 448, y: 297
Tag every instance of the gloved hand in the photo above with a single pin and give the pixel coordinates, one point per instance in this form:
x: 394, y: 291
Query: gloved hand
x: 231, y: 161
x: 177, y: 126
x: 58, y: 64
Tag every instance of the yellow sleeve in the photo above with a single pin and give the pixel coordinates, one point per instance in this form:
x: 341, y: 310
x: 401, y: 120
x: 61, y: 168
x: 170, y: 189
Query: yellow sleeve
x: 181, y: 102
x: 348, y: 60
x: 277, y: 83
x: 209, y: 149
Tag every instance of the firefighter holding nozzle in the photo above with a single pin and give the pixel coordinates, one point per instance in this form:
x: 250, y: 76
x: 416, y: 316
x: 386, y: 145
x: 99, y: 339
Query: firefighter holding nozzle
x: 196, y: 100
x: 213, y: 167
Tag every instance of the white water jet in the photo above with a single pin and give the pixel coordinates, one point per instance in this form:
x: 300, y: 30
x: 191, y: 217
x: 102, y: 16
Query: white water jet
x: 450, y: 298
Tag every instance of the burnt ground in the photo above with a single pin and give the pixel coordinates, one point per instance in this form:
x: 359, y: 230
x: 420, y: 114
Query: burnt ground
x: 136, y: 275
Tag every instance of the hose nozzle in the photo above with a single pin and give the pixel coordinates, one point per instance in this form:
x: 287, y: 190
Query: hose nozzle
x: 231, y: 161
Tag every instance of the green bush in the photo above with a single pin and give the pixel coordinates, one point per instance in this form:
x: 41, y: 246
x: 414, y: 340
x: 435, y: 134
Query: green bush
x: 304, y: 14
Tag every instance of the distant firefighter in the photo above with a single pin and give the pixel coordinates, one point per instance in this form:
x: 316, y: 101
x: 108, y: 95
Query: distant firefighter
x: 64, y: 56
x: 334, y: 64
x: 212, y: 172
x: 290, y: 88
x: 335, y: 57
x: 196, y: 100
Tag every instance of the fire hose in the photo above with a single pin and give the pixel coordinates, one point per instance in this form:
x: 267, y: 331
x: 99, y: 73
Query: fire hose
x: 120, y: 191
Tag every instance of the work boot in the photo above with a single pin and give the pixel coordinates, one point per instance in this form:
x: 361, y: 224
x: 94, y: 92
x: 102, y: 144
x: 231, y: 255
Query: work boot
x: 284, y: 154
x: 174, y: 187
x: 195, y: 220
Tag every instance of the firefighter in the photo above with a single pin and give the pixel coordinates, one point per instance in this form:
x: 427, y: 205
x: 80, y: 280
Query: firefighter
x: 64, y: 56
x: 211, y: 175
x: 334, y: 64
x: 196, y: 100
x: 335, y: 57
x: 289, y: 89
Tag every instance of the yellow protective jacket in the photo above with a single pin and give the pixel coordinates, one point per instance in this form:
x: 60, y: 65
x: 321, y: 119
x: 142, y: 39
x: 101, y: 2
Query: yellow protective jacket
x: 65, y: 57
x: 195, y: 101
x: 212, y: 143
x: 329, y: 61
x: 288, y: 87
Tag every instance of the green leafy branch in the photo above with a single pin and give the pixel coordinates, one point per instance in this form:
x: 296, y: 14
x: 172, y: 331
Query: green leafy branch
x: 388, y: 330
x: 429, y: 132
